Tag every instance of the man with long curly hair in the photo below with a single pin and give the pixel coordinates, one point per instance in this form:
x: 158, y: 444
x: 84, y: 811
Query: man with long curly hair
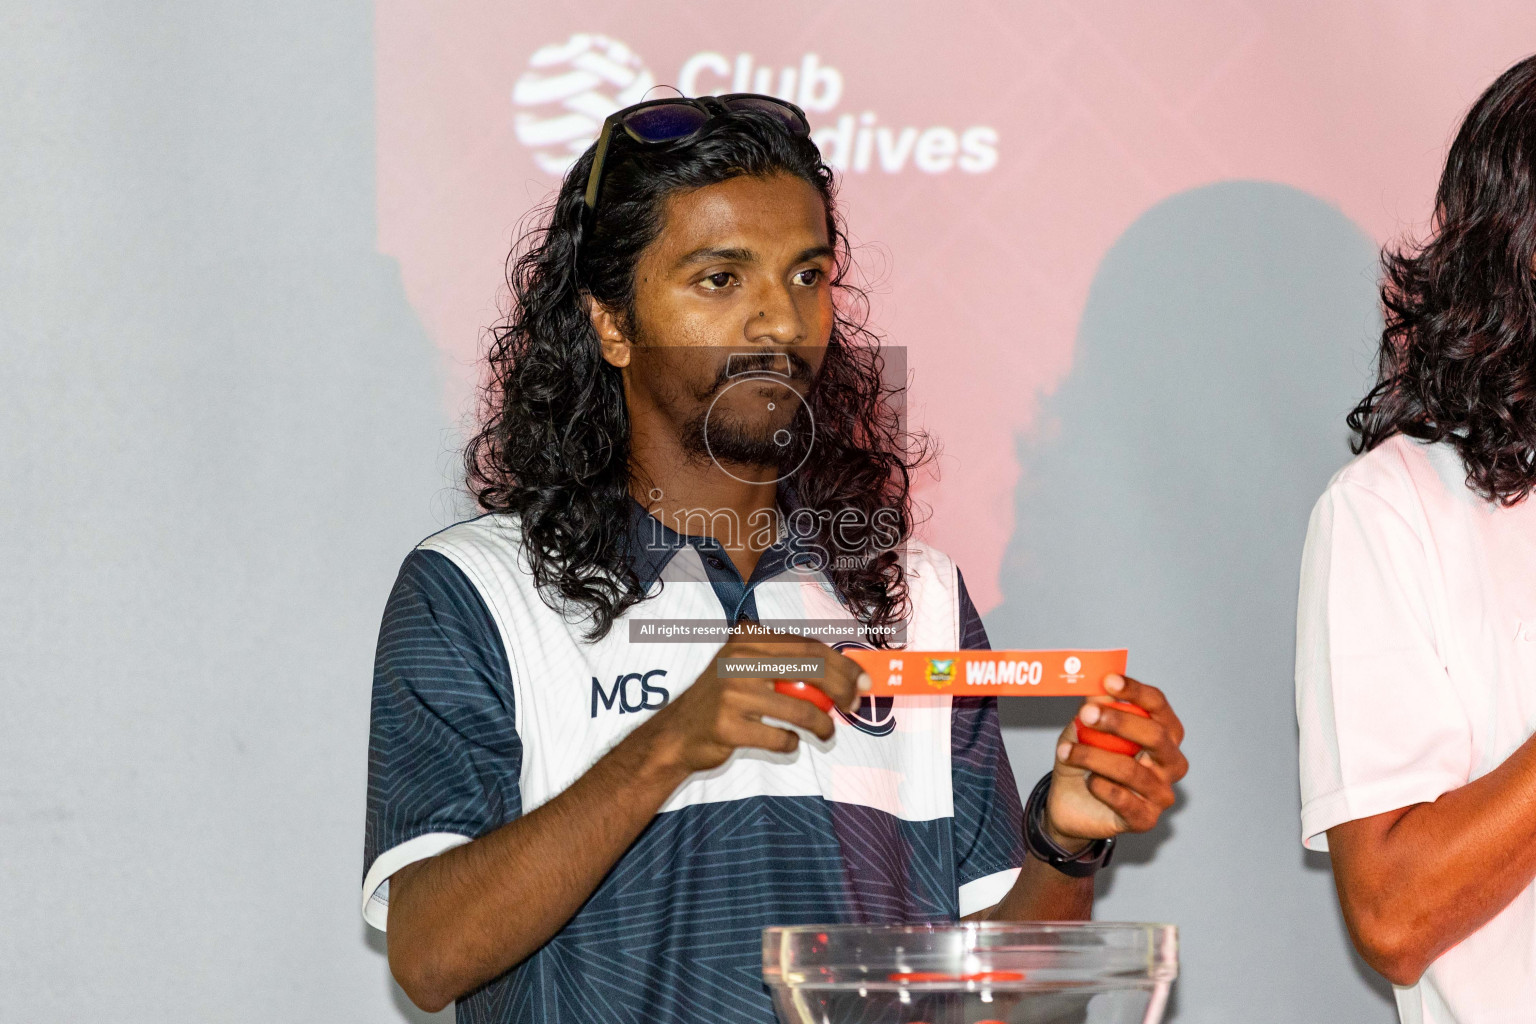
x: 687, y: 423
x: 1416, y: 639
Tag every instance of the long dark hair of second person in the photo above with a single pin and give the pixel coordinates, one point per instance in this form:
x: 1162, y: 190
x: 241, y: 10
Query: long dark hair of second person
x: 553, y: 447
x: 1458, y: 353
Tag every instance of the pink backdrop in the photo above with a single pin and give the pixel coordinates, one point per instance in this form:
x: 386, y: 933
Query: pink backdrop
x: 1038, y: 133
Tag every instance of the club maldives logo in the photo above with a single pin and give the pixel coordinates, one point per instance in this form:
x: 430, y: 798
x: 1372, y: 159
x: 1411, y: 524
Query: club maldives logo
x: 569, y: 88
x: 566, y: 92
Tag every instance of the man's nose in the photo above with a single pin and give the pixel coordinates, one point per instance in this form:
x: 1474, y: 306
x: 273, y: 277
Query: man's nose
x: 775, y: 317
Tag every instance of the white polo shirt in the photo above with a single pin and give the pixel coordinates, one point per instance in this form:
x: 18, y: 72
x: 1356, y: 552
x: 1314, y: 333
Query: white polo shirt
x: 1415, y: 674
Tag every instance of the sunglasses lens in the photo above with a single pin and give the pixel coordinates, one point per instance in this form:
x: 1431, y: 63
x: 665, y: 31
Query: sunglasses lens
x: 665, y: 121
x: 772, y: 107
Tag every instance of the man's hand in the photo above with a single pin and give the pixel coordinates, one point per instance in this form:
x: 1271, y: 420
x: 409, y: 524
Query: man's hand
x: 715, y: 716
x: 1096, y: 794
x: 463, y: 917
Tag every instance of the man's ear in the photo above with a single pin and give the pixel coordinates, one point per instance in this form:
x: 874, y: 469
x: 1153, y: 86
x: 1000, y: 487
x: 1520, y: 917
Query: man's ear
x: 615, y: 344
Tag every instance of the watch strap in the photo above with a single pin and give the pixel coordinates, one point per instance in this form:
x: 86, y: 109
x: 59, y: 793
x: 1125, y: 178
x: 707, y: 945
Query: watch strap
x: 1081, y: 864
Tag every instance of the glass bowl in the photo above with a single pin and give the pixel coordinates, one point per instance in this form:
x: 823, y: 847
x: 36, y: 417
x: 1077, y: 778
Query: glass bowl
x: 976, y: 972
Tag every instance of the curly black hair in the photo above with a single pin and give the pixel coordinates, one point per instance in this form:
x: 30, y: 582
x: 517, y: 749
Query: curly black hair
x: 553, y: 446
x: 1457, y: 361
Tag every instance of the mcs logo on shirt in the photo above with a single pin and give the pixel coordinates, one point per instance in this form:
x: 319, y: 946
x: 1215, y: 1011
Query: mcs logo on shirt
x: 648, y: 696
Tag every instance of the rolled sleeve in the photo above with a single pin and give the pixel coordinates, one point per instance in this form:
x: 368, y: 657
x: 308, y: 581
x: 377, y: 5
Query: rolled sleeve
x: 1380, y: 724
x: 444, y: 755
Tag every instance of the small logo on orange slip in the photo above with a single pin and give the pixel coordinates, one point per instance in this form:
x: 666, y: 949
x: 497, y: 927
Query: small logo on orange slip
x: 940, y: 671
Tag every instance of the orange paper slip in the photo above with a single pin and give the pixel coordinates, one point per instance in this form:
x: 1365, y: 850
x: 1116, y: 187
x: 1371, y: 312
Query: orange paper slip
x: 989, y: 673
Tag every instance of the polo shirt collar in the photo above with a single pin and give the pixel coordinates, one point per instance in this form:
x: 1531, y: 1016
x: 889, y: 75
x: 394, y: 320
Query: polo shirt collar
x: 651, y: 544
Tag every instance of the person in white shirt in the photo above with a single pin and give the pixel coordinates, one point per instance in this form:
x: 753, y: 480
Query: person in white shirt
x: 1416, y: 624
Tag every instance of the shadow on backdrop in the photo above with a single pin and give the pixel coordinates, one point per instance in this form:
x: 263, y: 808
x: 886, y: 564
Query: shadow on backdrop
x: 1163, y: 504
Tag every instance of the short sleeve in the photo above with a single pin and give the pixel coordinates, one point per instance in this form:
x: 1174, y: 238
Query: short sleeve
x: 1380, y: 725
x: 989, y: 817
x: 443, y: 751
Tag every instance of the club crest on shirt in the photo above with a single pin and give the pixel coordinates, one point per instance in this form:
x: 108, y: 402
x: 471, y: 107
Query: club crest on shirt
x: 940, y: 671
x: 875, y: 716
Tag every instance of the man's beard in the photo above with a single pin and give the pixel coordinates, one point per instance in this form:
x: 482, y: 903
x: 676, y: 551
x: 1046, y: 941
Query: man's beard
x: 723, y: 437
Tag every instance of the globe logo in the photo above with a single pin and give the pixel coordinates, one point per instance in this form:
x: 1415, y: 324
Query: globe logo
x: 567, y: 91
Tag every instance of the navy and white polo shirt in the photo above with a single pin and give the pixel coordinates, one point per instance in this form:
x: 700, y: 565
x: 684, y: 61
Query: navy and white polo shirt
x: 487, y: 703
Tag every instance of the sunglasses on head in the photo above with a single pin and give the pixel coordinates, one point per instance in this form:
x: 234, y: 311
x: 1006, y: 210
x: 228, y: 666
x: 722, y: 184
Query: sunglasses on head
x: 678, y: 119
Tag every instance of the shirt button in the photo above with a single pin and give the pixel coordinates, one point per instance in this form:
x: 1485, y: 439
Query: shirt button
x: 715, y: 562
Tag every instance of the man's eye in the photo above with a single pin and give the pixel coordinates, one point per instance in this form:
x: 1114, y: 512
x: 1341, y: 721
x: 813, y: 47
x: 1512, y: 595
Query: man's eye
x: 809, y: 277
x: 720, y: 280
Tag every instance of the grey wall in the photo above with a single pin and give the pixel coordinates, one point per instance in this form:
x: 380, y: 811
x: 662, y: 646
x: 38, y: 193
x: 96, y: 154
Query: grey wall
x: 221, y: 427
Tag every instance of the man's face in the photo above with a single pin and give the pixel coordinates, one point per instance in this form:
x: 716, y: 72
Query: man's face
x: 737, y: 282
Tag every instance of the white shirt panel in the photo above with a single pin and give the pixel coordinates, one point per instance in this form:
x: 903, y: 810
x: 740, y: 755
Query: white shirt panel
x: 563, y: 737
